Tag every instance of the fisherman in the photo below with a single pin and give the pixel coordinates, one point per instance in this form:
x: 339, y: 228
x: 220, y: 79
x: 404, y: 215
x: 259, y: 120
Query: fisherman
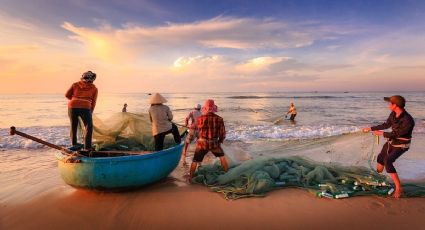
x: 211, y: 135
x: 161, y: 117
x: 293, y: 111
x: 398, y: 140
x: 124, y: 109
x: 192, y: 117
x: 82, y: 100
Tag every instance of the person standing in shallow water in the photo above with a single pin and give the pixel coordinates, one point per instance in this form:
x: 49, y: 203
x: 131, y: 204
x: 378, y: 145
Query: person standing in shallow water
x: 293, y: 111
x: 211, y: 135
x: 399, y: 139
x: 82, y: 97
x: 161, y: 117
x: 124, y: 109
x: 192, y: 117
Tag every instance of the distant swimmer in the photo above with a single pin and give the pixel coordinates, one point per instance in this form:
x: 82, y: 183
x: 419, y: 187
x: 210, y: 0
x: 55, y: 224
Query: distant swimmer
x: 82, y: 99
x: 293, y: 111
x: 399, y: 138
x: 124, y: 109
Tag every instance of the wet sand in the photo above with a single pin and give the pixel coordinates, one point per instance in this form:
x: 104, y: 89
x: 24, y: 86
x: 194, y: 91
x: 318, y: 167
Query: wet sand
x: 172, y: 204
x: 33, y: 196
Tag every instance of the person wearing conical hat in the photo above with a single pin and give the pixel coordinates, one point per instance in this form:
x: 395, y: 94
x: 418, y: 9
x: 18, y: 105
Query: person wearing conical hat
x: 161, y: 117
x: 82, y: 97
x: 211, y: 135
x: 192, y: 117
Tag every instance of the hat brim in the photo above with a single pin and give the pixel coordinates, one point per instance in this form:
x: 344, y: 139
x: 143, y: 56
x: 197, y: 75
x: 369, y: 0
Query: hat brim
x: 387, y: 99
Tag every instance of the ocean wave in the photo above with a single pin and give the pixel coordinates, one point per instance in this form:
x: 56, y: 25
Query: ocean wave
x: 289, y: 97
x: 59, y: 135
x: 274, y: 132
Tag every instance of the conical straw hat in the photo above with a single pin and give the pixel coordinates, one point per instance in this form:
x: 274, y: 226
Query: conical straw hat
x: 157, y: 99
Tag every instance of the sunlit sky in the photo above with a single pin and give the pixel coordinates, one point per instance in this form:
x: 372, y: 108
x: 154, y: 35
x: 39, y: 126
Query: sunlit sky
x: 209, y: 46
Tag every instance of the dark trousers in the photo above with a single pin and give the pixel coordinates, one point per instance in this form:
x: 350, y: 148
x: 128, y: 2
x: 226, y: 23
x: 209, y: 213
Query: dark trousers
x: 159, y: 138
x: 292, y: 118
x: 86, y: 116
x: 388, y: 156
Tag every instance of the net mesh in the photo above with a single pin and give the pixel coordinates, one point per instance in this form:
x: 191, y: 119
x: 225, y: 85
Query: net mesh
x: 255, y: 177
x: 260, y: 175
x: 126, y: 132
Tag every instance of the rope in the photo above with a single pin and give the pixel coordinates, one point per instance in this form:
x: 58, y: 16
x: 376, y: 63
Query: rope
x: 372, y: 158
x: 180, y: 125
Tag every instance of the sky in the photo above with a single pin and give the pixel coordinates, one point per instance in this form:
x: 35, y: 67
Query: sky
x: 213, y: 46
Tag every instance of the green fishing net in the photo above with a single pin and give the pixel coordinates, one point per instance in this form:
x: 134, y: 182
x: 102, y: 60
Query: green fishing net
x: 125, y: 132
x: 263, y: 174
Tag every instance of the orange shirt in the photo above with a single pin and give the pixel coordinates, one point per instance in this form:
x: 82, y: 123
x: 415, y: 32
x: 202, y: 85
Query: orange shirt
x: 82, y: 95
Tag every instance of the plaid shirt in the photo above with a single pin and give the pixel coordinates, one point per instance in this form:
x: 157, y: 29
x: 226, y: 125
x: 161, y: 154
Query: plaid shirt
x: 211, y: 131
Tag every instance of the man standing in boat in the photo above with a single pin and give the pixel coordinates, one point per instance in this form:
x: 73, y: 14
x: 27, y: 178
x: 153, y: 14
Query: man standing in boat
x: 82, y: 99
x: 161, y: 117
x: 399, y: 138
x: 211, y: 135
x: 192, y: 117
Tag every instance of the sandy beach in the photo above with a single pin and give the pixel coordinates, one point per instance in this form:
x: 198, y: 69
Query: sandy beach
x: 34, y: 196
x: 172, y: 203
x: 50, y: 203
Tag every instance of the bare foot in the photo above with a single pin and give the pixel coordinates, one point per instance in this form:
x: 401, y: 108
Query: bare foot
x: 397, y: 193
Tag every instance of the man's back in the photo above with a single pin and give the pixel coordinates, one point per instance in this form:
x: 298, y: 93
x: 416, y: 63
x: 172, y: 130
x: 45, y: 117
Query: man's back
x: 160, y: 116
x: 211, y: 127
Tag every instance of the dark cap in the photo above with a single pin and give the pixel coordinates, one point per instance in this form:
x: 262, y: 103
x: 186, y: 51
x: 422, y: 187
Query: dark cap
x: 396, y: 99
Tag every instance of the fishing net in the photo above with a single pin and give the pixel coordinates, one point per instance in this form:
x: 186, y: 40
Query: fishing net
x: 260, y: 175
x: 125, y: 132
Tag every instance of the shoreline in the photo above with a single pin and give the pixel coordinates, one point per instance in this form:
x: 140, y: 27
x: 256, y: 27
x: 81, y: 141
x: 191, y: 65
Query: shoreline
x: 36, y: 197
x: 172, y: 203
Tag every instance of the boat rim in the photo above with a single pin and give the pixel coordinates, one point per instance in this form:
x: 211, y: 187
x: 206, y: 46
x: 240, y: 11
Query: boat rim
x: 61, y: 155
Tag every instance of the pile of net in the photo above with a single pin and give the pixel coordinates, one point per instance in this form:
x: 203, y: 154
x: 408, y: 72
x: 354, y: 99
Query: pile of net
x: 260, y: 175
x: 125, y: 132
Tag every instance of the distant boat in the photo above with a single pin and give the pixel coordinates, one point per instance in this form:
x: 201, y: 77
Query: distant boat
x: 346, y: 92
x: 149, y: 94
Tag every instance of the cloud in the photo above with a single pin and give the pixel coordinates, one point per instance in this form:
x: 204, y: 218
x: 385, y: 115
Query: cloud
x: 220, y: 32
x: 258, y: 69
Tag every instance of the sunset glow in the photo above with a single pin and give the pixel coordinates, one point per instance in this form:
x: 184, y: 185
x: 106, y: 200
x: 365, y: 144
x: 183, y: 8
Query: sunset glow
x: 135, y: 48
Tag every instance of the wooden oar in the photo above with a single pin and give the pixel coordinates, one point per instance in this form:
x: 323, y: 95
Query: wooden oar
x: 13, y: 131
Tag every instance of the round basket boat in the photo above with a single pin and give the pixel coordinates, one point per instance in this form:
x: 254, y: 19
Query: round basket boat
x: 130, y: 170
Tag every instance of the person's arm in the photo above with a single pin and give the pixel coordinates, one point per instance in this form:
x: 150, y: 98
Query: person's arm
x: 385, y: 125
x: 69, y: 93
x: 186, y: 120
x: 222, y: 132
x: 169, y: 114
x: 289, y: 111
x: 405, y: 129
x: 93, y: 104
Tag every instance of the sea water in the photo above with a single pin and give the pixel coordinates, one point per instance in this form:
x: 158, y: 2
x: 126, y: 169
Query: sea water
x: 324, y: 129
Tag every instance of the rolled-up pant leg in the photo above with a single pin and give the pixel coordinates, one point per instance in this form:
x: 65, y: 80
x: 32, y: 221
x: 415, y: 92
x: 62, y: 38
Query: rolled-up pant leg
x: 159, y: 141
x: 176, y: 134
x: 73, y: 118
x: 388, y: 156
x: 87, y: 118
